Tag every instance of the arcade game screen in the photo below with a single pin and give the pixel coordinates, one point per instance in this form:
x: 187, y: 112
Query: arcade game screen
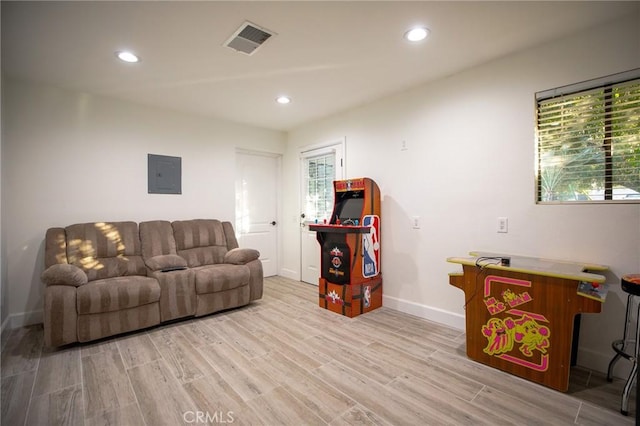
x: 349, y: 207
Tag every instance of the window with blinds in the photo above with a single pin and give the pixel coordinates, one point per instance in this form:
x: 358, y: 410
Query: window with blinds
x: 588, y: 141
x: 319, y: 175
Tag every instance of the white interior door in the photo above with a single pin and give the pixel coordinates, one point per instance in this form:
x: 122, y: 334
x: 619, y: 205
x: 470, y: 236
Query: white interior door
x: 320, y: 167
x: 257, y: 183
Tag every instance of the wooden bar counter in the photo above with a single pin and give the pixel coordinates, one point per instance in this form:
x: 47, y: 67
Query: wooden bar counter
x: 520, y: 318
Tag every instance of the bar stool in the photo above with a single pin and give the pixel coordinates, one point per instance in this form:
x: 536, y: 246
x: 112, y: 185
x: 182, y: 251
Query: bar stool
x: 631, y: 285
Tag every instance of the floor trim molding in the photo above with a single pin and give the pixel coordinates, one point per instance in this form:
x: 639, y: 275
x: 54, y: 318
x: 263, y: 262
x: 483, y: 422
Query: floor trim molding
x: 600, y: 362
x: 441, y: 316
x: 23, y: 319
x: 291, y: 274
x: 5, y: 323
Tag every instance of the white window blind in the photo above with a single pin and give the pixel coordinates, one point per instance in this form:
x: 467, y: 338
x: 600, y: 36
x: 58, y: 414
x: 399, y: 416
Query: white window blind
x: 319, y: 175
x: 588, y: 141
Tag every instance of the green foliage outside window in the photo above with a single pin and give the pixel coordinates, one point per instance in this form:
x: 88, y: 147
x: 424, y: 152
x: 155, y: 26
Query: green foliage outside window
x: 589, y: 145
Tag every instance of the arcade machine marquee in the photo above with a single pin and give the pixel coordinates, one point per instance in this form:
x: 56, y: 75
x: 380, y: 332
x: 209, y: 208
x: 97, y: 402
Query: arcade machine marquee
x: 350, y: 281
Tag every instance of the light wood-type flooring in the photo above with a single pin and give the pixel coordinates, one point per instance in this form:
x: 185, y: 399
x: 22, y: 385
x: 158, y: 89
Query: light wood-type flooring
x: 284, y: 361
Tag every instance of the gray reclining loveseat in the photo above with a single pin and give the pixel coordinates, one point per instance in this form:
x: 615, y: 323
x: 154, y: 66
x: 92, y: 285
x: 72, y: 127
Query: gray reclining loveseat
x: 103, y: 279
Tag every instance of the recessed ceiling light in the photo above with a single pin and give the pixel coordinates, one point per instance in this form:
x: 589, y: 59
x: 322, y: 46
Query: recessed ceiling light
x: 416, y: 34
x: 127, y: 56
x: 283, y: 100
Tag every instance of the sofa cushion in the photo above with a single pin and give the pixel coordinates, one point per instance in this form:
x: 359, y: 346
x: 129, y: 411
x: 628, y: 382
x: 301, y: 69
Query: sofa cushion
x: 113, y: 294
x: 198, y: 233
x: 203, y: 256
x: 157, y: 239
x: 200, y: 241
x: 105, y: 250
x: 55, y: 248
x: 215, y: 278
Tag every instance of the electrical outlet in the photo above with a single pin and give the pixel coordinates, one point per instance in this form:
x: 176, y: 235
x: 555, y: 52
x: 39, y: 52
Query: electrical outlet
x: 415, y: 222
x: 503, y: 225
x: 403, y: 145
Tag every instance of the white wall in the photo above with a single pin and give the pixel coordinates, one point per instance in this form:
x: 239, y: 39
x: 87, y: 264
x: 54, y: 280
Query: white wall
x: 4, y: 316
x: 3, y: 270
x: 470, y: 159
x: 71, y: 157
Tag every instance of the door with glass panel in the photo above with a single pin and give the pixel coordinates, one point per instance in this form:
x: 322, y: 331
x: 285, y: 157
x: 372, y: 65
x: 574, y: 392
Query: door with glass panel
x: 320, y: 167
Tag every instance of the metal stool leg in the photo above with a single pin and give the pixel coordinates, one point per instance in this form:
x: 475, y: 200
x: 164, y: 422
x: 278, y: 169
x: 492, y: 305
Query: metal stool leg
x: 618, y: 345
x: 632, y: 376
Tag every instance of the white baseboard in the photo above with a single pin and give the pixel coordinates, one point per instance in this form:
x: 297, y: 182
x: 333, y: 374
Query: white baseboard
x: 288, y: 273
x: 600, y: 362
x: 25, y: 318
x: 441, y: 316
x: 14, y: 321
x: 5, y: 324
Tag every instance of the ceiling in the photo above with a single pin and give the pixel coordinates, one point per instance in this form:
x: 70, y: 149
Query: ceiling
x: 327, y: 56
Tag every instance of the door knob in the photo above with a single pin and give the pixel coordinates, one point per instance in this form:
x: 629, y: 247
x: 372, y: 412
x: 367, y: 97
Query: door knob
x: 273, y: 223
x: 303, y: 215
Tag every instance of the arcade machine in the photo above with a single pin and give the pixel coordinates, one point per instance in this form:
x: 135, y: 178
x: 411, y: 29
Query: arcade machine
x: 350, y: 281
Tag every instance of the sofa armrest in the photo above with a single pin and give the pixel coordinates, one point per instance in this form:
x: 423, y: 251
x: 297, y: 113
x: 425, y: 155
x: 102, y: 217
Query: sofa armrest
x: 166, y: 262
x: 64, y: 274
x: 241, y: 256
x: 60, y: 315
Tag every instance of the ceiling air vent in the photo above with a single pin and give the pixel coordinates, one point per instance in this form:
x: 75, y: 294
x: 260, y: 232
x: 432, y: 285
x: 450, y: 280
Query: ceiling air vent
x: 248, y: 38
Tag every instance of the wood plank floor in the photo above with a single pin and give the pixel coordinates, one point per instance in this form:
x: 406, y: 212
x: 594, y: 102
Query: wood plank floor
x: 284, y: 361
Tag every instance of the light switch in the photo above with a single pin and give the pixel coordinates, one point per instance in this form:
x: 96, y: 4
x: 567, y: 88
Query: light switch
x: 503, y: 225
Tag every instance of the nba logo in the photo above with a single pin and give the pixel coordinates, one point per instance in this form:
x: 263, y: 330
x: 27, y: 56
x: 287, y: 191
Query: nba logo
x: 371, y: 247
x: 367, y: 296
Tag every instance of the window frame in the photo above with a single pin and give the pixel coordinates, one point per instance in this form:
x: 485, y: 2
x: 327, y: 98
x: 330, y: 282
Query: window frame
x: 607, y: 84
